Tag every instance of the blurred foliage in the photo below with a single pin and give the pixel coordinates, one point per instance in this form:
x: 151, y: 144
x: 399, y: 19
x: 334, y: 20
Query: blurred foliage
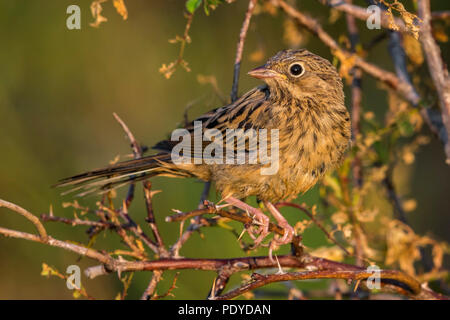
x: 59, y: 88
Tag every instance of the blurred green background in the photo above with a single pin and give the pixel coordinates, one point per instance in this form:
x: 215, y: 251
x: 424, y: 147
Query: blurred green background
x: 58, y: 89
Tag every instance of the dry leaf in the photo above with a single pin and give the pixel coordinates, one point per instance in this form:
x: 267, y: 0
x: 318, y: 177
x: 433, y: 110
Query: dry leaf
x: 96, y: 9
x: 402, y: 246
x: 121, y: 8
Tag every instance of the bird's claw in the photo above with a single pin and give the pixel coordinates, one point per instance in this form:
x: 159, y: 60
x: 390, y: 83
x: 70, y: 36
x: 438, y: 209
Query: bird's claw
x: 288, y: 235
x: 262, y: 221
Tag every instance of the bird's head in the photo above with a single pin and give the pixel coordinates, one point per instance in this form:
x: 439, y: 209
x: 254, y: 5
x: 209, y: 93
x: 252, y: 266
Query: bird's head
x: 302, y: 74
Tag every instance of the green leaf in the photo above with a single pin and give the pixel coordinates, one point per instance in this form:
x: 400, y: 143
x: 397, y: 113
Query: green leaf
x: 192, y: 5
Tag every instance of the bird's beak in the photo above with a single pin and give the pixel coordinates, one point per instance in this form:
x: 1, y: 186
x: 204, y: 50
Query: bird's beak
x: 263, y: 73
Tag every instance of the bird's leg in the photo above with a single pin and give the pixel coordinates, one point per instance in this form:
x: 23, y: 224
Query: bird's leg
x: 258, y: 215
x: 289, y: 231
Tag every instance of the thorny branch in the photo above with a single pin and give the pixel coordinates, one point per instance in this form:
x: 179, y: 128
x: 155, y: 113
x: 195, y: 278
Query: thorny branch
x: 312, y: 267
x: 322, y: 268
x: 316, y: 268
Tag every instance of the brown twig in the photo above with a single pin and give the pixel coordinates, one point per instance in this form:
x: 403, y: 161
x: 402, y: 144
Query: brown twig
x: 137, y: 151
x: 83, y: 251
x: 240, y: 49
x: 339, y: 270
x: 362, y: 14
x: 150, y: 219
x: 151, y: 288
x: 160, y: 248
x: 240, y: 217
x: 122, y: 232
x: 168, y: 70
x: 79, y: 222
x: 29, y: 216
x: 259, y: 280
x: 220, y: 282
x: 148, y: 195
x: 156, y: 296
x: 356, y: 95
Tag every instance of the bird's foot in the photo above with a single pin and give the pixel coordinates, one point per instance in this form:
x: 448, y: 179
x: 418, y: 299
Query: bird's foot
x: 288, y: 230
x: 288, y: 235
x: 259, y: 219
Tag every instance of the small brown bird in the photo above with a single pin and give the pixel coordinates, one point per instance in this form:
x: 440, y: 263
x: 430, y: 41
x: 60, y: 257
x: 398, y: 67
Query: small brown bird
x: 302, y: 100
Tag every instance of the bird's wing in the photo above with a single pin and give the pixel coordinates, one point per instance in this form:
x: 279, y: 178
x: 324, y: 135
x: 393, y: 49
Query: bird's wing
x: 237, y: 115
x: 240, y: 114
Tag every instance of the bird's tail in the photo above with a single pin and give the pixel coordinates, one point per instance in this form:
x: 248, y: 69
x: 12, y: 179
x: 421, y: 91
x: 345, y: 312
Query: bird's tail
x: 120, y: 174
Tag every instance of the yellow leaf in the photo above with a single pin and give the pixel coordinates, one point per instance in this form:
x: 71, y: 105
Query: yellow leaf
x: 45, y: 270
x: 402, y: 246
x: 121, y: 8
x: 140, y: 245
x: 96, y: 9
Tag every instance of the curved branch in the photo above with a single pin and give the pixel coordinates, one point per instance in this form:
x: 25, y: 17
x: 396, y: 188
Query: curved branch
x: 317, y: 268
x: 362, y: 14
x: 29, y: 216
x: 83, y: 251
x: 387, y: 276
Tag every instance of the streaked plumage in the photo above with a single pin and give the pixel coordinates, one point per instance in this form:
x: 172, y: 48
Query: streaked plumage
x: 308, y: 110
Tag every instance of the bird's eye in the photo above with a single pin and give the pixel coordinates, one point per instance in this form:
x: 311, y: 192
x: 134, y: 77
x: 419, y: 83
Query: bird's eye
x: 296, y: 69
